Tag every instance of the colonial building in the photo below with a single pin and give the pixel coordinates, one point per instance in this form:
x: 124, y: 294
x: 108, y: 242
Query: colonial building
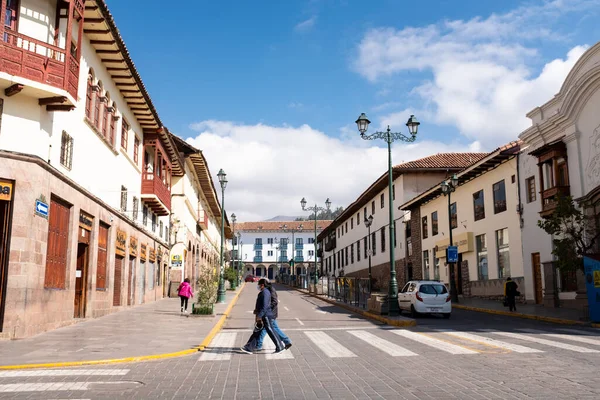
x: 267, y: 248
x: 561, y: 157
x: 87, y: 170
x: 346, y: 246
x: 483, y: 213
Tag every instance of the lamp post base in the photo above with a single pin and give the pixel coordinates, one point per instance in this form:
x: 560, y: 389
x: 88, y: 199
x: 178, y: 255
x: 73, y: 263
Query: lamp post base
x: 221, y: 294
x: 393, y: 306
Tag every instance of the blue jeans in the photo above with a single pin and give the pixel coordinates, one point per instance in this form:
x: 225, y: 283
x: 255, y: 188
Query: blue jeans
x: 286, y: 340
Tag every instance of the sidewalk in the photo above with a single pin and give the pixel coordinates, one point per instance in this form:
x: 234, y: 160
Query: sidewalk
x: 565, y: 316
x: 152, y: 329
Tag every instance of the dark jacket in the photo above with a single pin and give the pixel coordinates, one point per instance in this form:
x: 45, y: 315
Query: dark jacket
x: 263, y: 304
x: 274, y: 302
x: 511, y: 288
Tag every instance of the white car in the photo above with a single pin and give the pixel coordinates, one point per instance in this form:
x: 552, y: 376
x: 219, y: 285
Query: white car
x: 425, y: 297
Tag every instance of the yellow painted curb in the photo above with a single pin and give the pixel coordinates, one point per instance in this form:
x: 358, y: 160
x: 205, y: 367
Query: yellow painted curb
x: 520, y: 315
x: 366, y: 314
x: 196, y: 349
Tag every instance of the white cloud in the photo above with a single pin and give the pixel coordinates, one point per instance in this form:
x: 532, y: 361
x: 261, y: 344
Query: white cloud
x: 270, y: 168
x: 482, y: 77
x: 296, y: 105
x: 306, y: 25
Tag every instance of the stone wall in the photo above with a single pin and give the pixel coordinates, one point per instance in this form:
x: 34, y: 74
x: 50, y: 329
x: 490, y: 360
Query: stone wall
x: 493, y: 288
x: 466, y: 284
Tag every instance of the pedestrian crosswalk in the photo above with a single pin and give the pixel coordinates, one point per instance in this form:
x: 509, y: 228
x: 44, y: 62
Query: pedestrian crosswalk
x: 60, y: 380
x: 338, y: 343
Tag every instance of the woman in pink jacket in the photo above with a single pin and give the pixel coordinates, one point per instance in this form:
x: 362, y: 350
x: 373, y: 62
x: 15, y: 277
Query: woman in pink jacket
x: 185, y: 292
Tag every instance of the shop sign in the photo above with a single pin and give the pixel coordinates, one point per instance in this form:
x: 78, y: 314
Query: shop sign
x: 6, y: 189
x: 176, y: 261
x: 133, y: 247
x: 143, y: 251
x: 86, y: 221
x: 121, y: 243
x: 463, y: 241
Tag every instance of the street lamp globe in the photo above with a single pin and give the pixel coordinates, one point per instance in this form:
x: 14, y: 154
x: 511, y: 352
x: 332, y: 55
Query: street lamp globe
x: 369, y: 221
x: 328, y: 203
x: 222, y: 178
x: 454, y: 181
x: 233, y: 218
x: 363, y: 123
x: 303, y: 203
x: 413, y: 125
x: 445, y: 187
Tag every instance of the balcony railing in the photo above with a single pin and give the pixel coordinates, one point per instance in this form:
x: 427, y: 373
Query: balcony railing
x: 550, y: 199
x: 258, y: 246
x: 283, y: 259
x: 299, y: 259
x: 258, y: 259
x: 154, y: 185
x: 330, y: 244
x: 299, y: 246
x: 33, y: 59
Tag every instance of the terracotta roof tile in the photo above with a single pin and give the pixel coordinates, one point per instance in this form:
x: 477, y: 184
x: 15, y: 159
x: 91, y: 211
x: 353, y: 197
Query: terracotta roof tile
x: 274, y: 226
x: 442, y: 161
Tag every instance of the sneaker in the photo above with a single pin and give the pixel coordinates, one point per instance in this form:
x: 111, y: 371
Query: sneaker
x: 246, y: 350
x: 278, y: 351
x: 287, y: 346
x: 181, y: 309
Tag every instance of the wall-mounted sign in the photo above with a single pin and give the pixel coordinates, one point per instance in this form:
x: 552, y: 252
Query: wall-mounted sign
x: 6, y: 190
x: 133, y: 247
x: 452, y: 254
x: 152, y: 255
x: 176, y: 261
x: 86, y: 221
x: 121, y: 243
x: 41, y: 208
x: 143, y: 251
x: 463, y: 241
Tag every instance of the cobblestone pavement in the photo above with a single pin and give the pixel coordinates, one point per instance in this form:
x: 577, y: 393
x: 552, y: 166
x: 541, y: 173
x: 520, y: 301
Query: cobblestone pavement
x: 336, y: 355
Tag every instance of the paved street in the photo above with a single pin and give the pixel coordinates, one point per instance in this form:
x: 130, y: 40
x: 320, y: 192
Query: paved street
x: 337, y: 355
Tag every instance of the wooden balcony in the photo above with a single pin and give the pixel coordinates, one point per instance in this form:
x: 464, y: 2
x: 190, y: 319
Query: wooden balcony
x: 550, y: 199
x: 156, y: 194
x: 203, y: 219
x: 32, y: 59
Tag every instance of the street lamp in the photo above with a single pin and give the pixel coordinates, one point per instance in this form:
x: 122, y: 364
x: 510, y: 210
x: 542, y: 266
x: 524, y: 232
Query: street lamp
x: 239, y: 246
x: 293, y: 231
x: 221, y: 295
x: 449, y: 186
x: 368, y: 222
x: 413, y: 125
x: 316, y: 209
x: 233, y: 219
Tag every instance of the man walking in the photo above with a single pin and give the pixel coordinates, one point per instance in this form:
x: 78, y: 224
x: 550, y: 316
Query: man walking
x: 264, y: 317
x: 510, y: 291
x: 274, y: 301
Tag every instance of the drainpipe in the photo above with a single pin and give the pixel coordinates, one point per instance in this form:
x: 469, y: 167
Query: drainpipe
x: 520, y: 205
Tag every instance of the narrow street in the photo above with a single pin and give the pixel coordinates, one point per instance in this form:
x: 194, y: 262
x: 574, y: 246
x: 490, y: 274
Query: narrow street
x: 337, y: 355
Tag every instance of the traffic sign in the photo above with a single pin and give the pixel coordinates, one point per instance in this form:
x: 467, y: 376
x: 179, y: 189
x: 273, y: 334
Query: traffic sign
x: 41, y: 209
x: 452, y: 254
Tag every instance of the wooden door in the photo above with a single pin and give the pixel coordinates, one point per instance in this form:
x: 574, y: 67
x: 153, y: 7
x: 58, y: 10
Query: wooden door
x: 142, y: 283
x: 118, y: 280
x: 537, y: 277
x: 5, y: 225
x: 131, y: 282
x: 80, y: 280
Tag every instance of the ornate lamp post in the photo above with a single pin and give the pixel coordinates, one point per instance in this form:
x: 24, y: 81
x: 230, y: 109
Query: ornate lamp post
x: 368, y: 222
x: 293, y: 231
x: 449, y: 186
x: 239, y: 246
x: 221, y: 295
x: 233, y: 219
x: 413, y: 125
x: 315, y: 209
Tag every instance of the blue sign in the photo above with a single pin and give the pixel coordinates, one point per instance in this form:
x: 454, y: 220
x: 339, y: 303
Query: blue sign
x: 592, y: 283
x: 452, y: 254
x: 41, y: 208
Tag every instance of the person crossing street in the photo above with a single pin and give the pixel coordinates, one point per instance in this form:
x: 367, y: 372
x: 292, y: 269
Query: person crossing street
x: 284, y: 338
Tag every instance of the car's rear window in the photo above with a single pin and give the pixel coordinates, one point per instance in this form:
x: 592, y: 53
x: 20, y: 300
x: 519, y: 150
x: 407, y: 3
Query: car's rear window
x: 433, y: 289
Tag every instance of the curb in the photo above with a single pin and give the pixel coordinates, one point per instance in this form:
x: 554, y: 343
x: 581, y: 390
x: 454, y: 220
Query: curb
x: 553, y: 320
x: 216, y: 328
x: 366, y: 314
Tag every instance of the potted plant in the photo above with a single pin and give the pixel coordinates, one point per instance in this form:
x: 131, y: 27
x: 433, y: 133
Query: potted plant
x: 207, y: 285
x: 230, y: 276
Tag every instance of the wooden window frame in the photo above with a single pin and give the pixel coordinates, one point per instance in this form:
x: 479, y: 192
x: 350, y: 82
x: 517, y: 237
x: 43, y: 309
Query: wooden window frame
x: 382, y: 230
x: 434, y: 223
x: 481, y: 215
x: 502, y: 207
x: 89, y: 97
x: 102, y: 262
x: 454, y: 216
x: 124, y: 134
x: 136, y: 150
x: 58, y: 244
x: 14, y: 25
x: 530, y: 185
x: 66, y: 150
x: 123, y: 198
x: 424, y: 227
x: 382, y: 200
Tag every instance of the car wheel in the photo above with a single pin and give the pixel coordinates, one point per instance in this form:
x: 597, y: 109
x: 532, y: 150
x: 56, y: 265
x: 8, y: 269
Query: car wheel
x: 413, y: 312
x: 447, y: 316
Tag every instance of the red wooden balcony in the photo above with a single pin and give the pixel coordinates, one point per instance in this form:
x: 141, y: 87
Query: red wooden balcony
x: 156, y: 194
x: 203, y: 219
x: 550, y: 199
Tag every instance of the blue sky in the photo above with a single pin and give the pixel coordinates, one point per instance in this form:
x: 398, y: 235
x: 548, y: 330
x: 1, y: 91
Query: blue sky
x: 271, y: 88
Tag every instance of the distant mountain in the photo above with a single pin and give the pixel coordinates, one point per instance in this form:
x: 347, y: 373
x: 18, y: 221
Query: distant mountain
x: 281, y: 218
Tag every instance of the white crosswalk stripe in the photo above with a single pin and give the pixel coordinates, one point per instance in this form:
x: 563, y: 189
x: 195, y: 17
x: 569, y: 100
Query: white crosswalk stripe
x: 574, y: 338
x: 61, y: 385
x: 381, y: 344
x: 545, y: 342
x: 328, y: 345
x: 270, y: 347
x: 220, y: 348
x: 63, y: 372
x: 433, y: 342
x: 491, y: 342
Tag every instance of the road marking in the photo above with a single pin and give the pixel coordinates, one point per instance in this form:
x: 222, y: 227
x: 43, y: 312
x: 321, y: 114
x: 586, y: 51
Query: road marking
x: 344, y: 328
x: 384, y: 345
x: 539, y: 340
x: 579, y: 332
x: 286, y: 309
x: 300, y: 322
x: 328, y: 345
x: 220, y: 348
x: 435, y: 343
x: 63, y: 372
x: 574, y: 338
x: 491, y: 342
x: 46, y: 386
x: 270, y: 347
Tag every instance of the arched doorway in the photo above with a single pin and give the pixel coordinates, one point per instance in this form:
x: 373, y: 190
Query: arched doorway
x: 271, y: 273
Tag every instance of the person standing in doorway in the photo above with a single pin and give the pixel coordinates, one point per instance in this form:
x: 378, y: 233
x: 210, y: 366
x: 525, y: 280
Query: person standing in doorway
x: 274, y: 301
x: 510, y: 291
x: 264, y: 318
x: 185, y: 293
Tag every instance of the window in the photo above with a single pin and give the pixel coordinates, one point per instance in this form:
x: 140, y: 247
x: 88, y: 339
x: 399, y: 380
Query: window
x: 503, y: 253
x: 478, y: 205
x: 310, y: 253
x: 434, y: 223
x: 97, y: 105
x: 160, y: 229
x: 382, y: 200
x: 299, y: 241
x: 365, y: 212
x: 358, y: 218
x: 102, y: 257
x: 346, y: 226
x: 393, y: 192
x: 107, y: 117
x: 153, y: 222
x: 562, y: 172
x: 12, y: 14
x: 373, y: 243
x: 135, y: 208
x: 136, y: 150
x: 311, y: 240
x: 352, y: 223
x: 269, y: 240
x: 66, y: 150
x: 123, y: 198
x: 513, y: 178
x: 257, y: 253
x: 258, y: 241
x: 283, y: 254
x: 124, y: 134
x: 499, y: 197
x: 426, y: 265
x: 270, y: 253
x: 346, y: 256
x: 382, y: 230
x: 358, y: 251
x: 352, y: 253
x: 338, y: 233
x: 366, y: 248
x: 424, y: 226
x: 453, y: 216
x: 89, y: 95
x: 373, y: 207
x: 58, y: 243
x: 530, y: 185
x: 482, y: 259
x: 145, y: 216
x: 436, y: 267
x: 167, y: 235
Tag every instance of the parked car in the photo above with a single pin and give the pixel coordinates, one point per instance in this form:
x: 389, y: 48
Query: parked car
x: 425, y: 297
x: 250, y: 278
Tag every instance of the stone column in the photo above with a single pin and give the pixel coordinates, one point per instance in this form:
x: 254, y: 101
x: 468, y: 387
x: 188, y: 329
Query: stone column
x: 466, y: 281
x: 550, y: 287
